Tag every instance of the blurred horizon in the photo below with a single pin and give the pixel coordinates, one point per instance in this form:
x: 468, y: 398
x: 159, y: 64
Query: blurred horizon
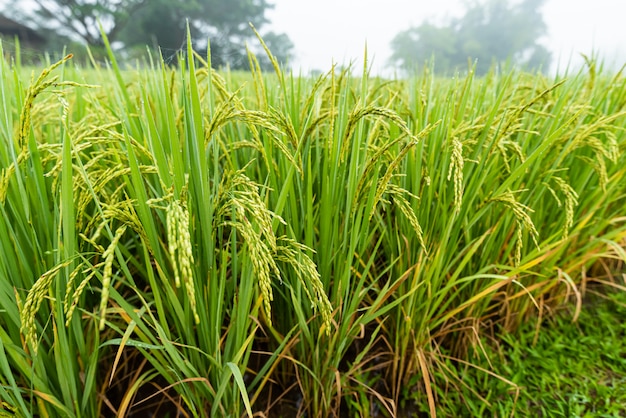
x: 312, y: 36
x: 574, y: 28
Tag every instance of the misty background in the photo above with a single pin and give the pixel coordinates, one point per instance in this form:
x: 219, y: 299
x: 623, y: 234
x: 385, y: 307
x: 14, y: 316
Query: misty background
x: 310, y: 36
x: 573, y: 27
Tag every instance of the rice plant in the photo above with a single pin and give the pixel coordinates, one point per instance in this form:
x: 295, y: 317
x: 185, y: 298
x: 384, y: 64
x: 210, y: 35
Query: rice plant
x: 203, y: 243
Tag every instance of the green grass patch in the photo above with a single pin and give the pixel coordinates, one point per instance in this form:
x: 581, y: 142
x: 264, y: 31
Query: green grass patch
x: 561, y: 369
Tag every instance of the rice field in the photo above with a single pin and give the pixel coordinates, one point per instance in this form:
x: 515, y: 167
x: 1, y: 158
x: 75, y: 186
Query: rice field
x: 190, y: 242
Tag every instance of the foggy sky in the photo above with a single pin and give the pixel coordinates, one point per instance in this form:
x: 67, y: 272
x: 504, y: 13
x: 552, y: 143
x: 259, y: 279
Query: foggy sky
x: 327, y: 31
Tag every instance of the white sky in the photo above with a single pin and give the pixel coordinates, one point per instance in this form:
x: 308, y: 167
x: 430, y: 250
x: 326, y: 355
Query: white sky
x: 327, y: 31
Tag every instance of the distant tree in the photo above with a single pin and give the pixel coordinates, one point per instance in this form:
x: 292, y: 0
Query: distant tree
x: 225, y: 23
x: 76, y: 19
x: 488, y: 32
x: 155, y: 23
x: 160, y: 24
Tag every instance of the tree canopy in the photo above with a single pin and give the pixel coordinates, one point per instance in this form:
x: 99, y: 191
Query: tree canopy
x: 158, y: 23
x: 489, y: 31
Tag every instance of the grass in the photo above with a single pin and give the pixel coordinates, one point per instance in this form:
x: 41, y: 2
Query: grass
x: 185, y: 241
x: 561, y: 369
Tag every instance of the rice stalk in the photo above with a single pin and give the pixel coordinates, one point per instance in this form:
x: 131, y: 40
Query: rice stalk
x: 571, y: 201
x: 389, y: 173
x: 293, y: 253
x: 456, y: 168
x: 522, y: 219
x: 35, y: 297
x: 180, y: 250
x: 107, y: 273
x: 239, y: 206
x: 398, y: 195
x: 68, y: 306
